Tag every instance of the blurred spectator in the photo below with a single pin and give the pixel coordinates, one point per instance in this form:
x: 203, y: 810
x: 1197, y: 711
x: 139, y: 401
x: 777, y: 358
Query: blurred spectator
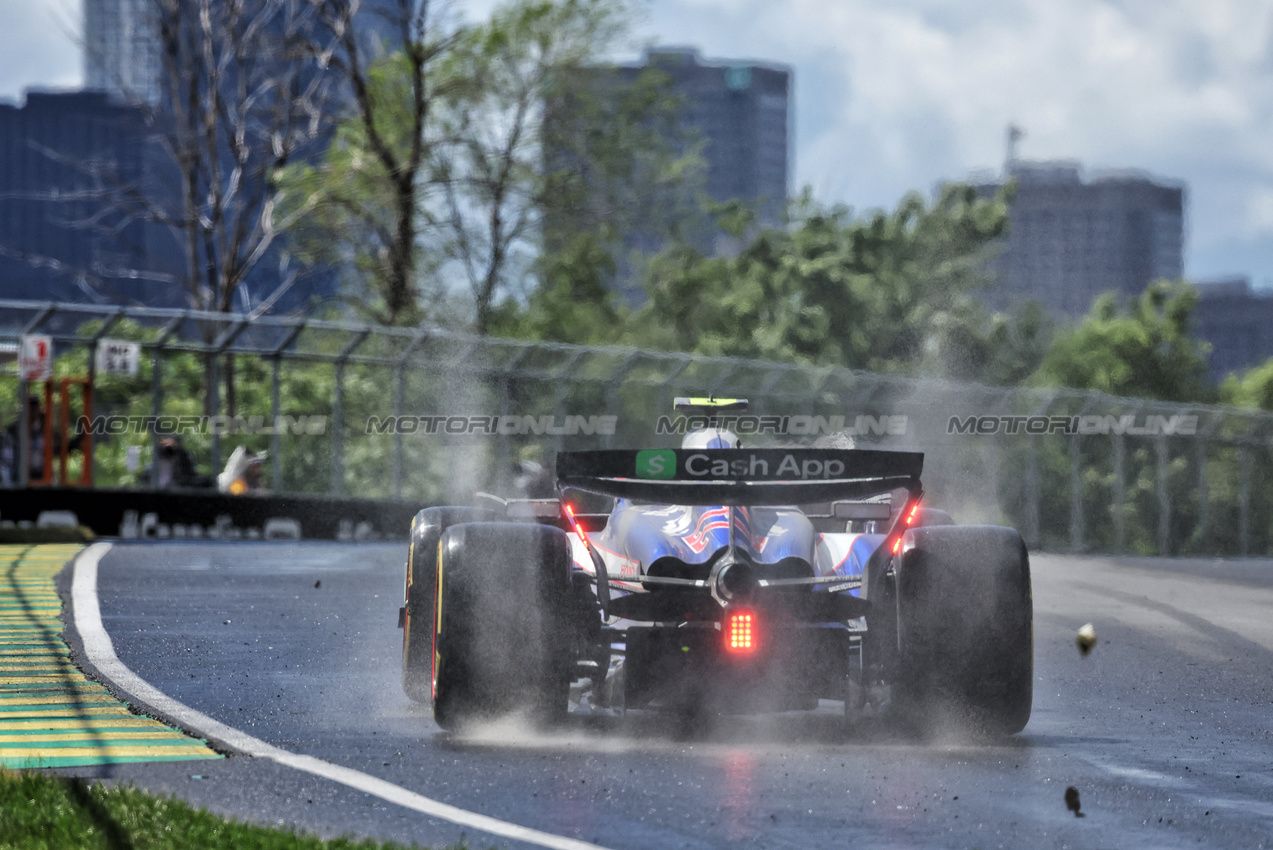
x: 8, y: 457
x: 243, y: 472
x: 175, y: 465
x: 11, y: 448
x: 532, y: 480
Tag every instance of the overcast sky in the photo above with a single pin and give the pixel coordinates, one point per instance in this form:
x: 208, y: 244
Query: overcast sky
x: 892, y: 95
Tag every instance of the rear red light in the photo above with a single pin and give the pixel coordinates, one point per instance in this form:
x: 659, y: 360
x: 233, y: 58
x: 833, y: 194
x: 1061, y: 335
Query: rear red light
x: 740, y: 632
x: 574, y: 523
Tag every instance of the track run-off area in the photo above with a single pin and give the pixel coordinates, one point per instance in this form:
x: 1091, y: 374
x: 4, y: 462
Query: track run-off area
x: 1163, y: 730
x: 51, y: 715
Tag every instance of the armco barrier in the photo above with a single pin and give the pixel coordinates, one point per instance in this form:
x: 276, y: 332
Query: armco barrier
x: 192, y: 515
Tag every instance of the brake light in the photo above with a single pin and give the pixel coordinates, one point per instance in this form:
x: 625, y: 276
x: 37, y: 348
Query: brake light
x: 740, y: 632
x: 574, y: 523
x: 906, y: 523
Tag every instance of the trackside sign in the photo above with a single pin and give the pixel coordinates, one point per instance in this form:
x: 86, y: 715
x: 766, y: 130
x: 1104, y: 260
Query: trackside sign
x: 35, y: 357
x: 739, y: 464
x: 656, y: 463
x: 752, y: 468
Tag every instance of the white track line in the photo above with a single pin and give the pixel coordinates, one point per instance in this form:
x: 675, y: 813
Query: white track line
x: 101, y: 652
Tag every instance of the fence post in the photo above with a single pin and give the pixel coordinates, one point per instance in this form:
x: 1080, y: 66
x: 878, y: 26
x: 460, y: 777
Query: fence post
x: 24, y: 388
x: 338, y: 412
x: 338, y: 430
x: 1032, y: 495
x: 157, y: 389
x: 399, y: 396
x: 276, y: 444
x: 212, y: 374
x: 667, y: 392
x: 1244, y: 500
x: 563, y: 380
x: 612, y: 385
x: 1204, y: 501
x: 156, y: 405
x: 276, y: 439
x: 399, y: 404
x: 1120, y: 495
x: 1164, y: 498
x: 220, y: 347
x: 1076, y: 496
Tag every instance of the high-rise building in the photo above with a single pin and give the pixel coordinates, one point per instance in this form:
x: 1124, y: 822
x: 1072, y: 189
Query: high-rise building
x: 1072, y: 239
x: 56, y: 241
x: 121, y: 49
x: 740, y: 115
x: 1237, y: 321
x: 65, y: 231
x: 742, y: 110
x: 122, y: 44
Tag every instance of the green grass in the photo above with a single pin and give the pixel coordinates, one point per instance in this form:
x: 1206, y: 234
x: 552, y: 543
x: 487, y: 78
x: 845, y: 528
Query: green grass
x: 55, y: 534
x: 43, y: 812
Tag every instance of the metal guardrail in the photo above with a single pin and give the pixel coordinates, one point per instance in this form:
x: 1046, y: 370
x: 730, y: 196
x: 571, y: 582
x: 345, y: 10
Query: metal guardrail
x: 1125, y: 475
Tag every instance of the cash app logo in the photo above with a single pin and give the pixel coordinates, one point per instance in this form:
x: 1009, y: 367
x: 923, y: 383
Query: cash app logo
x: 656, y: 463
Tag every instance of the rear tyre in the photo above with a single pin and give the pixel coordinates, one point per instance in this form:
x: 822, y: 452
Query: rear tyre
x: 420, y: 587
x: 965, y: 630
x: 504, y: 623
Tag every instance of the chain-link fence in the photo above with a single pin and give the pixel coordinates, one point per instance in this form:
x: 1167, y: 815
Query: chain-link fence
x: 427, y: 414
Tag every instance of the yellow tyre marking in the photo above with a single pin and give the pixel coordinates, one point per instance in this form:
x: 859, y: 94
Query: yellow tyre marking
x: 51, y: 714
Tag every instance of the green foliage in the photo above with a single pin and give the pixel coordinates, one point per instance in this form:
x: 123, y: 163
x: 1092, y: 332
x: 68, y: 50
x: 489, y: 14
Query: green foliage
x: 1004, y: 349
x: 1253, y: 388
x: 40, y: 812
x: 888, y: 292
x: 487, y: 153
x: 346, y: 209
x: 573, y: 304
x: 1146, y: 351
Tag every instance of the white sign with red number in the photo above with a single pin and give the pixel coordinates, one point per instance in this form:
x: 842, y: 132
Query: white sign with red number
x: 118, y: 357
x: 35, y: 357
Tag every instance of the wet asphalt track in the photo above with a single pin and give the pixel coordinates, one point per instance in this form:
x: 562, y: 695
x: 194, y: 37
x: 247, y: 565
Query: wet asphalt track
x: 1164, y: 729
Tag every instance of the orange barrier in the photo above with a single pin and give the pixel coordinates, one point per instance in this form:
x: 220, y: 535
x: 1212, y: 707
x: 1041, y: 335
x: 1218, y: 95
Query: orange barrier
x: 63, y: 432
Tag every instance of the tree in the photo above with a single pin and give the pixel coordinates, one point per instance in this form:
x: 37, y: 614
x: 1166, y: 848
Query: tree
x: 573, y: 303
x: 864, y: 292
x: 1253, y: 388
x: 1146, y: 350
x: 241, y: 94
x: 361, y: 204
x: 555, y: 152
x: 484, y: 151
x: 964, y: 343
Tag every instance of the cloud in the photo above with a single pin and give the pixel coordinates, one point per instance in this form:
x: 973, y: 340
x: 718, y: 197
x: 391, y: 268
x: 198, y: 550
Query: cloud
x: 910, y: 92
x: 38, y: 46
x: 893, y: 95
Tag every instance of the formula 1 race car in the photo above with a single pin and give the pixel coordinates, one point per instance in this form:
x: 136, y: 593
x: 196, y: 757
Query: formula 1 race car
x: 723, y: 580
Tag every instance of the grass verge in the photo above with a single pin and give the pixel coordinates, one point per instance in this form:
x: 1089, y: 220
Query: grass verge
x: 52, y: 534
x: 43, y: 812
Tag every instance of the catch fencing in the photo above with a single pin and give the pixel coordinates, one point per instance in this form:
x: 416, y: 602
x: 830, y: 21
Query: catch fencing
x: 427, y: 414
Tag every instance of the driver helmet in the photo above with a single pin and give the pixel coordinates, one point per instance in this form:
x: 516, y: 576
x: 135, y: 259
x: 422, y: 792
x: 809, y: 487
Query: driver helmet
x: 711, y: 438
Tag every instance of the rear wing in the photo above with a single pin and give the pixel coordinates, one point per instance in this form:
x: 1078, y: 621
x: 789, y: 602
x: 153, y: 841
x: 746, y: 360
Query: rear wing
x: 740, y: 476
